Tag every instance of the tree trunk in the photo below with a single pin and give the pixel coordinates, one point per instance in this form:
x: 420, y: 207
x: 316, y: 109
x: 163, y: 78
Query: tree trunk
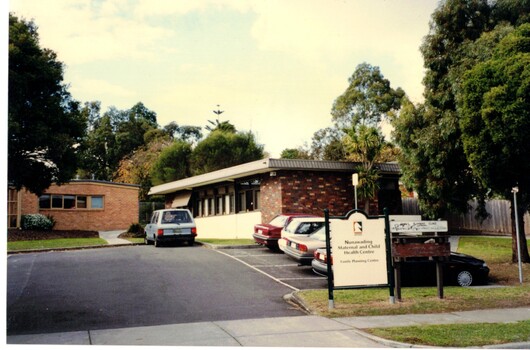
x: 525, y: 258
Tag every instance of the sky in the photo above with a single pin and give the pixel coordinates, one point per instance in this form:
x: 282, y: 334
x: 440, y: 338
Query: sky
x: 273, y: 67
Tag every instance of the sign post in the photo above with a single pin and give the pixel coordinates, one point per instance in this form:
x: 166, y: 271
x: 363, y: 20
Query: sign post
x: 361, y: 248
x: 514, y: 191
x: 355, y: 182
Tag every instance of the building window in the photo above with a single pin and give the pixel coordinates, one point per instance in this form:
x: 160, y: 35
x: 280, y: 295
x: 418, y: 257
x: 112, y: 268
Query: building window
x: 96, y: 202
x: 220, y: 206
x: 70, y: 201
x: 81, y: 201
x: 45, y: 201
x: 57, y: 201
x: 211, y: 207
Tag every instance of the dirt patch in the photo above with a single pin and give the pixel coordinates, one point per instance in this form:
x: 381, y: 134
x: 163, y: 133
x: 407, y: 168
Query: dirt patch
x: 32, y: 235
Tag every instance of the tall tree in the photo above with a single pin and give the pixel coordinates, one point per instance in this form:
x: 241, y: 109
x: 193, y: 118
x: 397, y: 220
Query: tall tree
x: 113, y: 137
x: 367, y: 100
x: 365, y: 144
x: 327, y: 144
x: 357, y: 113
x: 429, y: 134
x: 222, y: 149
x: 44, y: 122
x: 184, y: 132
x: 495, y: 122
x: 172, y: 164
x: 224, y: 125
x: 137, y: 168
x: 434, y: 163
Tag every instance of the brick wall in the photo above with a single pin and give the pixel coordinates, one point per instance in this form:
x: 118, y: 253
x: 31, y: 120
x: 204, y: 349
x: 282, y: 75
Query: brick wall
x: 312, y: 192
x: 120, y: 206
x: 271, y: 197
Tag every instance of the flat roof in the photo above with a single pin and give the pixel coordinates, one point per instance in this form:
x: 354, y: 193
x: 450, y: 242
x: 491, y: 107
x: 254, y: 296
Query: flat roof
x: 263, y: 166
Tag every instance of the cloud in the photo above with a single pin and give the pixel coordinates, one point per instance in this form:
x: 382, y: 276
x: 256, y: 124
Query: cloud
x: 100, y: 90
x: 82, y: 32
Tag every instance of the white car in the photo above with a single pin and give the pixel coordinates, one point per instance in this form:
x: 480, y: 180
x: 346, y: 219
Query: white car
x: 300, y: 226
x: 170, y: 225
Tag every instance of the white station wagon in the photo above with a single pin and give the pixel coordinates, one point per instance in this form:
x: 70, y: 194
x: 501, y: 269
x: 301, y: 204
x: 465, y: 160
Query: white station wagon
x: 170, y: 225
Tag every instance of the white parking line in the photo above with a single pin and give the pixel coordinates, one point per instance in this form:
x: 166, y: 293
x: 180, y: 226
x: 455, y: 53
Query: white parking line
x: 258, y: 270
x: 301, y: 278
x: 284, y: 265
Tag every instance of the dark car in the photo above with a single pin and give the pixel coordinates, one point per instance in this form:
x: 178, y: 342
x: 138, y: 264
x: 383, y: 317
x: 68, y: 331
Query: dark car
x: 460, y: 269
x: 268, y: 234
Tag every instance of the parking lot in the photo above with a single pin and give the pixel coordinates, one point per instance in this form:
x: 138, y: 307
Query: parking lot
x: 278, y: 266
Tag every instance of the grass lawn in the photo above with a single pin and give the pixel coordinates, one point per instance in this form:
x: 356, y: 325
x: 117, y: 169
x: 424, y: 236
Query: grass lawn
x: 462, y: 335
x: 506, y: 293
x: 55, y: 243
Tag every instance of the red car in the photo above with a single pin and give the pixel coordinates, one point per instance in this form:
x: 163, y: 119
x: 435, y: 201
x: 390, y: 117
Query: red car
x: 268, y: 234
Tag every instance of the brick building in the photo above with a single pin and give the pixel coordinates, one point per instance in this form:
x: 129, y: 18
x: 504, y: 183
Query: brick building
x: 79, y: 205
x: 228, y: 202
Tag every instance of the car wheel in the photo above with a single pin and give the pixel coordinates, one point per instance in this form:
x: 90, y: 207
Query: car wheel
x: 146, y: 241
x: 157, y: 242
x: 464, y: 278
x: 191, y: 242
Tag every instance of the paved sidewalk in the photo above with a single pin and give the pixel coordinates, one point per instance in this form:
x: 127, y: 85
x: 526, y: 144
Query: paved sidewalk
x: 298, y: 331
x: 112, y: 237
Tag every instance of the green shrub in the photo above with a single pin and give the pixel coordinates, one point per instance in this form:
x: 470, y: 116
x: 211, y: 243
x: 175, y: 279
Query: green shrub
x: 136, y: 230
x: 37, y: 222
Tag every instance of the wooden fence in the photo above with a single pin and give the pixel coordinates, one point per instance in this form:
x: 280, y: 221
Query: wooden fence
x: 499, y: 222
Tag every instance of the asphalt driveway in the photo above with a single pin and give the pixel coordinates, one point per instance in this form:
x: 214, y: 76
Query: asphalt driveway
x: 279, y: 267
x: 139, y: 286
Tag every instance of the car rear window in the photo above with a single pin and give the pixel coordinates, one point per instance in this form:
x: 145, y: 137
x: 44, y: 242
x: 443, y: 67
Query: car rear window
x: 176, y: 217
x: 306, y: 228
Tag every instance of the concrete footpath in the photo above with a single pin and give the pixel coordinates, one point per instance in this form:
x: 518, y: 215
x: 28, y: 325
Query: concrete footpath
x: 298, y: 331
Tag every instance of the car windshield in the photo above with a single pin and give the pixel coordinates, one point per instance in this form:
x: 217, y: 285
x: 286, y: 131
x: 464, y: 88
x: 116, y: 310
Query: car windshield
x: 319, y: 234
x: 279, y: 221
x: 176, y: 217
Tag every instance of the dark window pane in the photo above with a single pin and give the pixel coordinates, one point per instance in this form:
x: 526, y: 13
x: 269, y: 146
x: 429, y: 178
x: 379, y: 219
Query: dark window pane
x: 69, y: 202
x: 57, y: 201
x: 81, y: 201
x: 44, y: 201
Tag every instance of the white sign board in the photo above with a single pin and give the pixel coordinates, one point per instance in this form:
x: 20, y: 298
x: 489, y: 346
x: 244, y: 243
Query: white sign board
x: 418, y: 226
x: 359, y: 251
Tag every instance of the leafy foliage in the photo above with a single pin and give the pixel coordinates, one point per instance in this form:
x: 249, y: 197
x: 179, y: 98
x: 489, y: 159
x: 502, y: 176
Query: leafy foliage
x: 367, y: 99
x: 36, y: 222
x: 172, y: 163
x: 224, y: 149
x: 44, y: 122
x: 114, y: 136
x: 495, y: 120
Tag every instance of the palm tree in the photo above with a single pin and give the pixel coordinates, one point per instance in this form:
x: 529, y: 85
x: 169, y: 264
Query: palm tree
x: 365, y: 144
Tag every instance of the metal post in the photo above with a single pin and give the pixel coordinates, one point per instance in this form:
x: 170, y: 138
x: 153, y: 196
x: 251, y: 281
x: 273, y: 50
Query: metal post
x: 355, y: 190
x: 331, y: 304
x: 514, y: 191
x: 355, y: 182
x: 389, y: 265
